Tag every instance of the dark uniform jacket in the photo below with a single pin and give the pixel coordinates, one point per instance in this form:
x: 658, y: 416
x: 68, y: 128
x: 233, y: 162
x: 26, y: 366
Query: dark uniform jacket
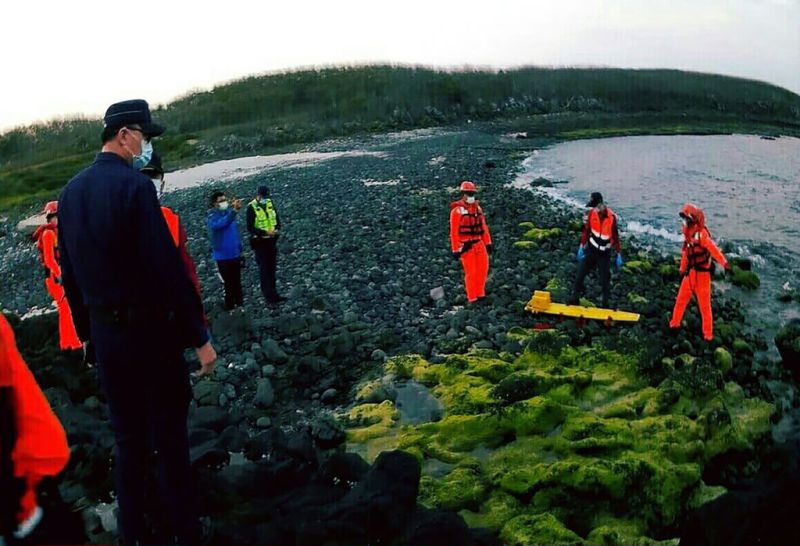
x: 117, y: 251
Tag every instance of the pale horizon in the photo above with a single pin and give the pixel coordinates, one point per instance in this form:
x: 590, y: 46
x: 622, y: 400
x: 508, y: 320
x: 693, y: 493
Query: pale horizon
x: 78, y: 58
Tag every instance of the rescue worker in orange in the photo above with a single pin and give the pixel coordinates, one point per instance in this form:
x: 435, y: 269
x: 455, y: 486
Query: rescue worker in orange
x: 470, y: 241
x: 599, y: 235
x: 696, y: 268
x: 156, y: 173
x: 46, y: 237
x: 33, y: 443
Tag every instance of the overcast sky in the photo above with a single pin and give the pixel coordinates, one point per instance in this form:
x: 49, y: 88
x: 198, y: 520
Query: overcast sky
x: 63, y: 58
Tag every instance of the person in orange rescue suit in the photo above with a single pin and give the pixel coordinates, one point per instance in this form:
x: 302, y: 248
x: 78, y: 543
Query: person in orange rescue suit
x: 33, y: 443
x: 696, y: 268
x: 470, y: 240
x: 46, y: 238
x: 155, y: 171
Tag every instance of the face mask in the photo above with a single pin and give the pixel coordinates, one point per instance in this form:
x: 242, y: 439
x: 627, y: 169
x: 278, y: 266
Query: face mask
x: 140, y: 161
x: 470, y: 199
x: 262, y: 200
x: 223, y: 205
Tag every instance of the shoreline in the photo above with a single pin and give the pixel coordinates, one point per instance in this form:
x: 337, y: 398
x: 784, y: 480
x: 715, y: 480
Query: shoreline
x: 359, y: 287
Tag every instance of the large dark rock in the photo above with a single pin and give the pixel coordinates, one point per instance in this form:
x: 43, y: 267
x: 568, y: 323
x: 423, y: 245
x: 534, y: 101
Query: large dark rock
x: 788, y: 342
x: 765, y: 511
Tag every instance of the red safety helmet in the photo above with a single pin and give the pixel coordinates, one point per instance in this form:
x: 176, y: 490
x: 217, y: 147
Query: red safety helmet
x: 466, y: 185
x: 51, y: 208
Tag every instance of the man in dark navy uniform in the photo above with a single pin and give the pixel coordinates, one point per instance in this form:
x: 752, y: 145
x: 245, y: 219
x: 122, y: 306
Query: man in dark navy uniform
x: 129, y: 292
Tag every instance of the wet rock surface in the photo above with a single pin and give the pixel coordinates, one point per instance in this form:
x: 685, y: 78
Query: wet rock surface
x: 369, y: 276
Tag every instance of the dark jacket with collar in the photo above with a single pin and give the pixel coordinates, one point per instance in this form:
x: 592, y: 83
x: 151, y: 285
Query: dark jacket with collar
x: 117, y: 251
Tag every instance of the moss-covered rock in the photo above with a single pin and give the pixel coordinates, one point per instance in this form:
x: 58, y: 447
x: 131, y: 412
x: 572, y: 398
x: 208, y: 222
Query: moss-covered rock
x: 463, y: 488
x: 536, y: 530
x: 524, y: 244
x: 369, y: 421
x: 638, y: 266
x: 744, y: 279
x: 539, y: 234
x: 723, y: 359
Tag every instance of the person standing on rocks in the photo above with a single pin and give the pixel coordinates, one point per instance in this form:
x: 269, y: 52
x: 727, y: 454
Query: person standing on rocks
x: 470, y: 241
x: 46, y: 237
x: 33, y: 443
x: 264, y: 226
x: 696, y: 268
x: 155, y: 171
x: 128, y: 289
x: 600, y: 234
x: 226, y: 246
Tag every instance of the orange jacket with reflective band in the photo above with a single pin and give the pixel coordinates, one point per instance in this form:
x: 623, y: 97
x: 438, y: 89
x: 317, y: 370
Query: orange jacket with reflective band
x: 601, y: 233
x: 467, y: 223
x: 698, y: 247
x: 41, y: 448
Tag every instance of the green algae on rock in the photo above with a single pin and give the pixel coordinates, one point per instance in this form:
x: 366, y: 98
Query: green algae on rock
x: 533, y: 442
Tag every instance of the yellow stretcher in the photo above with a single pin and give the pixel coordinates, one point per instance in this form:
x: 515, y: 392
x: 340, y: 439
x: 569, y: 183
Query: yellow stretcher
x: 540, y: 303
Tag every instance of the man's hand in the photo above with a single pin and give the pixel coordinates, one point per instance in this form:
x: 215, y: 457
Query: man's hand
x: 57, y: 280
x: 208, y: 359
x: 620, y: 262
x: 456, y: 255
x: 489, y: 249
x: 272, y: 232
x: 580, y: 255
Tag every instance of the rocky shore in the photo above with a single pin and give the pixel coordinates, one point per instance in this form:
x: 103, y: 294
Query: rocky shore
x: 592, y: 435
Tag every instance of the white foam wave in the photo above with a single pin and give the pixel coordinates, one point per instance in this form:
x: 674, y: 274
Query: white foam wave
x: 646, y: 229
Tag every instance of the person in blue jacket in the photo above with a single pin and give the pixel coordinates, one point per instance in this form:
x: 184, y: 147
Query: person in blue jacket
x: 130, y: 294
x: 226, y: 246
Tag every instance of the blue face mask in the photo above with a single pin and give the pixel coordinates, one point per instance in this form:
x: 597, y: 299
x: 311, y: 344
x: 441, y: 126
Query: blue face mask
x: 140, y: 161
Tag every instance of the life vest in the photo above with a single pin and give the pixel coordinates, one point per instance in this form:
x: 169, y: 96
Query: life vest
x: 471, y: 221
x: 38, y: 236
x: 600, y: 231
x: 266, y: 220
x: 697, y: 256
x: 173, y: 223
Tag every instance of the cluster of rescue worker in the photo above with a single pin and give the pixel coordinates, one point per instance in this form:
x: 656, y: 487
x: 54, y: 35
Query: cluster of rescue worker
x: 127, y: 292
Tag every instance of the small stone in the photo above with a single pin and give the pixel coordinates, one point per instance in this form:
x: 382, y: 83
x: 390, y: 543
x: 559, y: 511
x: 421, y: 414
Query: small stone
x: 723, y: 360
x: 268, y: 370
x: 264, y: 422
x: 437, y: 293
x: 349, y: 317
x: 265, y: 395
x: 329, y: 394
x: 378, y: 355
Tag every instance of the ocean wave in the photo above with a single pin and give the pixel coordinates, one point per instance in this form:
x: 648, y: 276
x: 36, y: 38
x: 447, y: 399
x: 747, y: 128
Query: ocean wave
x: 647, y: 229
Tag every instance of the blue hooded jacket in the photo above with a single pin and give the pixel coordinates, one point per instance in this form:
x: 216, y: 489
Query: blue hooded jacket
x: 224, y: 234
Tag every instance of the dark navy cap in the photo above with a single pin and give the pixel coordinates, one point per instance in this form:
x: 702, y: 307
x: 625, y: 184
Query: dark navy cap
x: 132, y: 112
x: 263, y: 191
x: 154, y: 167
x: 595, y: 199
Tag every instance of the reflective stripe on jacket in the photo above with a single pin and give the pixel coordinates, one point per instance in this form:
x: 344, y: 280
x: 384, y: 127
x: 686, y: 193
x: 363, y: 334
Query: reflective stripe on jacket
x: 266, y: 220
x: 601, y: 231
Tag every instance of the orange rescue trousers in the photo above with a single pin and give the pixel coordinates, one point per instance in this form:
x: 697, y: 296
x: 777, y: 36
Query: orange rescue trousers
x: 697, y: 283
x: 476, y: 268
x: 68, y: 337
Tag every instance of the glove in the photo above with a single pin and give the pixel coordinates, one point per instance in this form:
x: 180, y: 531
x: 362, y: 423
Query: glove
x: 489, y: 249
x: 580, y: 256
x: 456, y: 256
x: 619, y: 261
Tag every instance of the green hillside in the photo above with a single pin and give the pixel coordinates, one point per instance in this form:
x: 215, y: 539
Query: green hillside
x: 262, y: 113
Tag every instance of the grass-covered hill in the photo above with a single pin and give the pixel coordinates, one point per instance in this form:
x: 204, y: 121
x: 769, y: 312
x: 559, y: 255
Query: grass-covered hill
x: 260, y: 113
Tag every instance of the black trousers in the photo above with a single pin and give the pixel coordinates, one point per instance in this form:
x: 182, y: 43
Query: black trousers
x: 266, y: 251
x: 146, y: 382
x: 593, y: 259
x: 231, y: 272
